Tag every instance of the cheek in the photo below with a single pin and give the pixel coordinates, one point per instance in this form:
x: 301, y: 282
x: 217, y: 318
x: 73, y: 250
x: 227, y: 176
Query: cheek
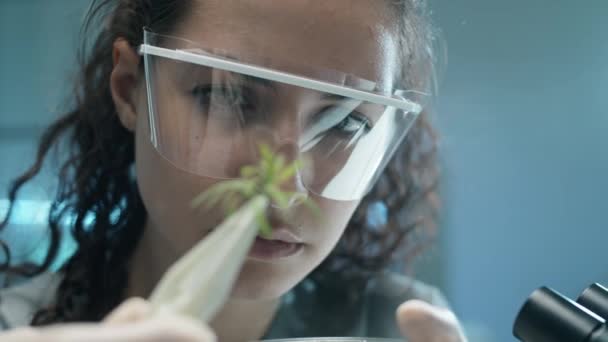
x: 330, y: 226
x: 167, y: 192
x: 199, y: 141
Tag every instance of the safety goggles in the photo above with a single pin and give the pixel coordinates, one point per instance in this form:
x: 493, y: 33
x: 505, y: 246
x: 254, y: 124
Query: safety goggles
x: 209, y: 110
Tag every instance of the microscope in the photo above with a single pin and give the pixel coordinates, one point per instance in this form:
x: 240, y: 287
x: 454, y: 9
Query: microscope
x: 549, y: 316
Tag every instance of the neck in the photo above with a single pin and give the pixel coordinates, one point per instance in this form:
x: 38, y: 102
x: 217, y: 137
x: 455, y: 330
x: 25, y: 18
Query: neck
x: 152, y: 258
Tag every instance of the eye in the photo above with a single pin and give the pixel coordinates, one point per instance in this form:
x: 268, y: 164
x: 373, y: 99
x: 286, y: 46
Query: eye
x: 209, y: 95
x: 353, y: 123
x: 234, y: 103
x: 342, y: 119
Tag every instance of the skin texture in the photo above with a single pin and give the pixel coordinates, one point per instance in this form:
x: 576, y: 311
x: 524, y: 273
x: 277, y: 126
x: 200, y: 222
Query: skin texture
x: 353, y: 36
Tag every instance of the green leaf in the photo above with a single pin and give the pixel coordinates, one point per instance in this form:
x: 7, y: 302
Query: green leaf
x: 249, y: 171
x: 250, y: 189
x: 277, y: 196
x: 209, y: 198
x: 264, y: 226
x: 265, y: 152
x: 287, y: 172
x: 214, y: 194
x: 278, y: 164
x: 265, y: 179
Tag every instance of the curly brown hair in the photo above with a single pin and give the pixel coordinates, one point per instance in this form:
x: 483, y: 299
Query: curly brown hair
x: 95, y: 179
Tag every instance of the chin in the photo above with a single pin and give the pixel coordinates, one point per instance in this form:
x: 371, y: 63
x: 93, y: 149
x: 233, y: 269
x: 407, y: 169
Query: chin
x: 265, y: 280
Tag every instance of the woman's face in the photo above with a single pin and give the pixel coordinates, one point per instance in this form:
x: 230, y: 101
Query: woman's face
x: 350, y: 36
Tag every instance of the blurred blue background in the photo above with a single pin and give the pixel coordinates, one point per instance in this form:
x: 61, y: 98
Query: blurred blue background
x: 523, y: 115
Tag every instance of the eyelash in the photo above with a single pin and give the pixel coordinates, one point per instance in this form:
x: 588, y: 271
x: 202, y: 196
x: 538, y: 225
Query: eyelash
x: 205, y: 90
x: 356, y: 116
x: 367, y: 127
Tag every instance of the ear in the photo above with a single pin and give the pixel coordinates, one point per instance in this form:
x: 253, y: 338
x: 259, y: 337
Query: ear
x: 123, y: 82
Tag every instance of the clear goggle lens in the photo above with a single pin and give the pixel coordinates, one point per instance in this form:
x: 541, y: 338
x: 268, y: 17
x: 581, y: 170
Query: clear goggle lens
x: 210, y: 111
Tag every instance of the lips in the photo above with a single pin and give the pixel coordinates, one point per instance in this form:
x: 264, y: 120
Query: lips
x: 273, y: 250
x: 283, y: 235
x: 282, y: 243
x: 282, y: 231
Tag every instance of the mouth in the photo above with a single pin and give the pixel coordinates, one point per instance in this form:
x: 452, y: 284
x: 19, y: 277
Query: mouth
x: 283, y: 243
x: 269, y: 250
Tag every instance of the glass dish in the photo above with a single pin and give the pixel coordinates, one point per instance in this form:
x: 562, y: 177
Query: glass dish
x: 337, y: 339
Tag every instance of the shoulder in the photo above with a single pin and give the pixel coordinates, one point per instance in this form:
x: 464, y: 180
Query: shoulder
x: 389, y: 290
x: 19, y: 303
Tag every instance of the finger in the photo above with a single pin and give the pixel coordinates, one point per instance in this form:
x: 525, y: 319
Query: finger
x: 131, y: 310
x: 73, y: 332
x: 24, y: 334
x: 150, y: 325
x: 422, y: 322
x: 158, y: 329
x: 170, y: 327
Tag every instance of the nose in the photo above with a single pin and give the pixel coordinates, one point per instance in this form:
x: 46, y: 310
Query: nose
x: 294, y: 185
x: 282, y: 134
x: 284, y: 141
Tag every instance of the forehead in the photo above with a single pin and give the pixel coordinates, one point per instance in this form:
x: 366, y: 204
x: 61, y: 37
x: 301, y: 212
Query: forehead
x: 351, y: 36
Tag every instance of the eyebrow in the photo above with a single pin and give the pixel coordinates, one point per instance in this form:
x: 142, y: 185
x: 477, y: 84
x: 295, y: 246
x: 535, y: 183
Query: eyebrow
x: 283, y: 77
x: 247, y: 78
x: 272, y: 85
x: 231, y: 76
x: 250, y: 80
x: 264, y: 82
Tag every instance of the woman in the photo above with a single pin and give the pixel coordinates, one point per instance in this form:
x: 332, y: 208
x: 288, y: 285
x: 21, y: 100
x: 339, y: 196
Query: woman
x: 159, y: 116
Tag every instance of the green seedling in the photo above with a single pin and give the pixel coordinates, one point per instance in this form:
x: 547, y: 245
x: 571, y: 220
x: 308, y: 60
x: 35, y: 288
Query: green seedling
x: 198, y: 284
